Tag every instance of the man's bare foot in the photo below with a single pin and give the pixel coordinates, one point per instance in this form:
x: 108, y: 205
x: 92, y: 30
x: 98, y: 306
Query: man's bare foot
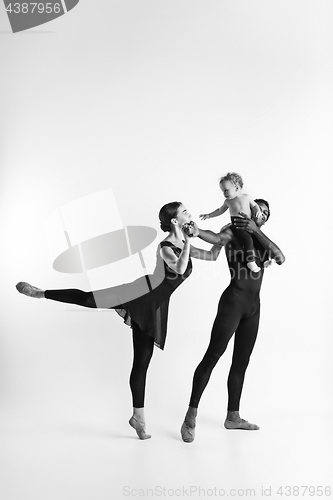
x: 29, y: 290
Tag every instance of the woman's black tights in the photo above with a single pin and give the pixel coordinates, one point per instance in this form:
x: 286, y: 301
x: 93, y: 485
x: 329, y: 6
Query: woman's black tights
x: 106, y: 298
x: 143, y: 347
x: 143, y: 344
x: 231, y: 318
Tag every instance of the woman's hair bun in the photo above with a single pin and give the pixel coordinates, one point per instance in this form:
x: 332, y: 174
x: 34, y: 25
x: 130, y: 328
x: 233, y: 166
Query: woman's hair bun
x: 168, y: 212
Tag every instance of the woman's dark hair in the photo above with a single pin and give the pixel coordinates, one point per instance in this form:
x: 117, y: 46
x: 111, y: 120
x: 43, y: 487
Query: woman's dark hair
x: 168, y: 212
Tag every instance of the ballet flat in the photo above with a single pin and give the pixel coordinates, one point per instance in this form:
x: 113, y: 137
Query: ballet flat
x: 242, y: 424
x: 27, y: 289
x: 139, y: 428
x: 188, y: 433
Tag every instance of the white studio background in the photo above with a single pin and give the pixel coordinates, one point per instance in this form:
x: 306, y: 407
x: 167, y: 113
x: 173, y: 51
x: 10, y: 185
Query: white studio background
x: 156, y: 100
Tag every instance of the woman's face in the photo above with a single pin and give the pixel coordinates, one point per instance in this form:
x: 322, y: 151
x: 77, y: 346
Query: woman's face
x: 183, y: 215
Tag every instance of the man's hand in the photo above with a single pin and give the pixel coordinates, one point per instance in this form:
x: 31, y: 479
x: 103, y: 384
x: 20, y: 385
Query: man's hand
x: 244, y: 222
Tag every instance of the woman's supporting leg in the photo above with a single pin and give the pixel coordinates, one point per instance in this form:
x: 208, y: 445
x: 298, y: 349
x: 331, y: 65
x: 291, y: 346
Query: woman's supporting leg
x: 143, y: 347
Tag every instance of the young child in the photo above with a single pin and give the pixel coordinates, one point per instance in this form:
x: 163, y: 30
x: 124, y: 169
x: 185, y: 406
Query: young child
x: 231, y: 185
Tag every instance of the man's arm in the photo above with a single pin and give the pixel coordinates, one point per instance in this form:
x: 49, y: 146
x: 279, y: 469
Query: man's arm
x: 221, y: 238
x: 250, y: 226
x: 200, y: 253
x: 273, y: 250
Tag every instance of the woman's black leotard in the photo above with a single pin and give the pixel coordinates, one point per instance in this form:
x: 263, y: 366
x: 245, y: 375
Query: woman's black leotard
x: 149, y: 308
x: 147, y: 314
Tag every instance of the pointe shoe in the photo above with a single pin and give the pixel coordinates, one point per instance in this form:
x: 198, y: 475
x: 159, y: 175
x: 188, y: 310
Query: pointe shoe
x: 29, y: 290
x: 240, y: 424
x: 187, y: 432
x: 139, y: 428
x: 253, y: 267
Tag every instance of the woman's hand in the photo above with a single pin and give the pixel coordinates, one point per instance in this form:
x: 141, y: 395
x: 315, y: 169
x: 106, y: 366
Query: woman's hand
x: 190, y: 229
x: 244, y: 222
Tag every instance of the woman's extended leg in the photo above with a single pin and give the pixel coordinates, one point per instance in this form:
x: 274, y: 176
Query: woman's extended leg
x: 245, y: 338
x: 29, y: 290
x: 106, y: 298
x: 143, y: 347
x: 72, y: 296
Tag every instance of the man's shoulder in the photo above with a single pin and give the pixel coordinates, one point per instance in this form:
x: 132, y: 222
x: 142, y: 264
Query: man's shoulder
x: 226, y: 228
x: 226, y: 234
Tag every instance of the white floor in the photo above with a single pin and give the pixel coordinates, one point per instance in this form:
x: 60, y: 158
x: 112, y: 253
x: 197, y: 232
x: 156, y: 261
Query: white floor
x: 65, y: 404
x: 52, y: 459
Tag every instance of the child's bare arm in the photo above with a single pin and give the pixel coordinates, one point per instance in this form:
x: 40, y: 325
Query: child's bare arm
x: 216, y: 213
x: 255, y: 209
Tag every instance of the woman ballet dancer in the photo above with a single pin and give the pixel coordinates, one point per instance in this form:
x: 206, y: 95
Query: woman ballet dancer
x: 148, y: 313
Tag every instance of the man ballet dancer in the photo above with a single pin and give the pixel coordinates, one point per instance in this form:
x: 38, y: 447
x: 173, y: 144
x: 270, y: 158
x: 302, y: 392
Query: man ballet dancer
x: 238, y: 313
